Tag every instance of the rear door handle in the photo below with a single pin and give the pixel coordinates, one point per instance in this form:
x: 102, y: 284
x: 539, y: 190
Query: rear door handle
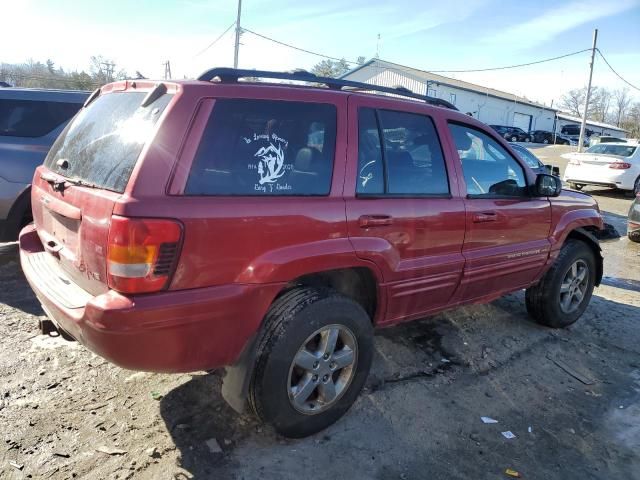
x: 366, y: 221
x: 485, y: 217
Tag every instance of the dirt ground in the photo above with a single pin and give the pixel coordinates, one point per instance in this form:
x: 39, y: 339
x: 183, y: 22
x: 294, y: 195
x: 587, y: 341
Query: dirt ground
x: 571, y: 398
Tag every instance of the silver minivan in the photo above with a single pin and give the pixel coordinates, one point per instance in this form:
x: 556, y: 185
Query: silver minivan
x: 30, y: 121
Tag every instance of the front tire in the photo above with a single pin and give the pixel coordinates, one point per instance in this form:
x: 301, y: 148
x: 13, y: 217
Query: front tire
x: 312, y: 361
x: 576, y: 186
x: 545, y: 141
x: 564, y: 292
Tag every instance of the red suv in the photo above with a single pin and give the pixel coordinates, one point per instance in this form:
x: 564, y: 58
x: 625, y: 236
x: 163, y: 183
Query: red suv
x: 268, y: 229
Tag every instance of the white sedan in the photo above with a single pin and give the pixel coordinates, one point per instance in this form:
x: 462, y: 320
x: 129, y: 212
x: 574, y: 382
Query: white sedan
x: 615, y: 165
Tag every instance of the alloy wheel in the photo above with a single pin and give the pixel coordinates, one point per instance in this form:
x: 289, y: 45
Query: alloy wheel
x: 322, y: 369
x: 574, y: 286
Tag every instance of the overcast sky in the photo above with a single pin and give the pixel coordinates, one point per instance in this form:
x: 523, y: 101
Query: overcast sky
x: 430, y: 35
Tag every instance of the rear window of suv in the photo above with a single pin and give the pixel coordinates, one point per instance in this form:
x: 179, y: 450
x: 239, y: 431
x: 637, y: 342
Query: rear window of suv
x: 265, y: 147
x: 104, y: 141
x: 33, y: 118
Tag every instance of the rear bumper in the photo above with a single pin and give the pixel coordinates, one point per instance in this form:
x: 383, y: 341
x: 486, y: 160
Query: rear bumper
x: 170, y: 331
x: 605, y: 177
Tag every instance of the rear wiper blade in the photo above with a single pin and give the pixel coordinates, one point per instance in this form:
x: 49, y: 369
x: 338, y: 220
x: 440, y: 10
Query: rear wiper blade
x: 59, y: 184
x: 81, y: 183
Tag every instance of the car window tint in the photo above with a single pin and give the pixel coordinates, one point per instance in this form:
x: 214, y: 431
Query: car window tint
x: 31, y: 118
x: 370, y: 168
x: 103, y: 142
x: 265, y: 147
x: 412, y: 154
x: 489, y: 170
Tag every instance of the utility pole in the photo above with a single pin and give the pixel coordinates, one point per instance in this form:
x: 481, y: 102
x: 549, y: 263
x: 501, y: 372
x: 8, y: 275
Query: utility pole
x: 167, y: 70
x: 238, y: 32
x: 586, y: 100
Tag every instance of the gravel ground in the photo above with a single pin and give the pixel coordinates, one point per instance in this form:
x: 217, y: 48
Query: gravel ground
x: 571, y: 398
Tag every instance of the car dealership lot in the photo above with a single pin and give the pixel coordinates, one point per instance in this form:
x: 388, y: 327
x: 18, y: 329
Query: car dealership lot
x: 571, y: 397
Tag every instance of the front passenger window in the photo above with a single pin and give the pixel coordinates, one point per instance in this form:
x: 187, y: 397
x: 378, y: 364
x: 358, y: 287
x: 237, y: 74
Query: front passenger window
x: 489, y: 170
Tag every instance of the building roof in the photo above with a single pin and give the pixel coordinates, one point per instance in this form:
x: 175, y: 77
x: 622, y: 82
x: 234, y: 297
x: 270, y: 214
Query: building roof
x: 425, y: 76
x: 571, y: 118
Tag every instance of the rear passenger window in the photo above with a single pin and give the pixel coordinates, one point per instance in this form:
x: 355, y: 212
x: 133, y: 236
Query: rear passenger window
x: 412, y: 155
x: 31, y: 118
x: 265, y: 147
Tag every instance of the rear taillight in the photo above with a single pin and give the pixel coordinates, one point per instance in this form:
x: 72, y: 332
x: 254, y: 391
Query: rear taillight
x: 620, y: 165
x: 574, y: 161
x: 141, y: 253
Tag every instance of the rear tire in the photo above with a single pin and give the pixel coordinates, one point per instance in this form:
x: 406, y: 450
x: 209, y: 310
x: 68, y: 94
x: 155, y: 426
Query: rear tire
x: 634, y: 236
x: 564, y: 292
x: 514, y: 139
x: 576, y: 186
x: 635, y: 191
x: 545, y: 141
x: 301, y: 384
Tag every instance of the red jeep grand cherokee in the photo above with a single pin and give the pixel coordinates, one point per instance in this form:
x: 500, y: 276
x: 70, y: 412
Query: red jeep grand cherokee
x: 268, y: 228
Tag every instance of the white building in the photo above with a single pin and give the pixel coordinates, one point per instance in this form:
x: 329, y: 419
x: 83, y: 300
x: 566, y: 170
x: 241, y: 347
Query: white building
x: 596, y: 128
x: 488, y: 105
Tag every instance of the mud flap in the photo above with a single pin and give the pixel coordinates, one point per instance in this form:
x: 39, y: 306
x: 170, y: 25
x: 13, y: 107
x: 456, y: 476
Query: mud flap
x: 235, y: 383
x: 593, y: 240
x: 609, y: 232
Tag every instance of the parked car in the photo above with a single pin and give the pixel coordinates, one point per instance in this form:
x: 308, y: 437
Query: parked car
x: 533, y: 161
x: 30, y: 120
x: 268, y: 228
x: 614, y: 165
x: 574, y: 130
x: 633, y: 221
x: 546, y: 137
x: 512, y: 134
x: 596, y: 139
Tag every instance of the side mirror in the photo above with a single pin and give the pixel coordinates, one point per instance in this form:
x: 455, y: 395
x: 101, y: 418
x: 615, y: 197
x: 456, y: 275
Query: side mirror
x: 547, y: 186
x: 553, y: 170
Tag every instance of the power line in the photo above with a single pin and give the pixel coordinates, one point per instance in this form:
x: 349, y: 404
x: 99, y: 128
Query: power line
x: 512, y: 66
x: 613, y: 70
x: 215, y: 41
x: 431, y: 71
x: 297, y: 48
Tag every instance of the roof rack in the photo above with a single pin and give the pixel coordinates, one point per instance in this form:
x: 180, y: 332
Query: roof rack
x: 231, y: 75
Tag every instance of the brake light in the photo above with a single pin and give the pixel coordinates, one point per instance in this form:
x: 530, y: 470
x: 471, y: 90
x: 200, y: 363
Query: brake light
x: 141, y: 253
x: 574, y: 161
x: 620, y: 165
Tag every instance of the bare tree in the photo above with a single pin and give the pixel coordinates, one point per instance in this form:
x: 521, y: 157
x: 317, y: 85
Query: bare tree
x: 622, y: 101
x: 573, y: 101
x: 599, y: 104
x: 45, y: 75
x: 631, y: 121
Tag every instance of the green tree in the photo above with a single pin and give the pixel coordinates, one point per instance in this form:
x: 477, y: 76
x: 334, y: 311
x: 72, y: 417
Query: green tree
x: 331, y: 68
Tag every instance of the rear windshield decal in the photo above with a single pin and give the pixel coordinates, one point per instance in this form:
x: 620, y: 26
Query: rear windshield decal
x: 270, y: 165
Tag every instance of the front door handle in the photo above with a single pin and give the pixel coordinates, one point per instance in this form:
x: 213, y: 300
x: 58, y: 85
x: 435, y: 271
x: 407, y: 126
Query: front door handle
x: 366, y: 221
x: 484, y: 217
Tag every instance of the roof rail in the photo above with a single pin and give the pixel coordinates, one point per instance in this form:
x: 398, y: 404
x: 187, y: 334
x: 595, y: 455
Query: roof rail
x: 231, y: 75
